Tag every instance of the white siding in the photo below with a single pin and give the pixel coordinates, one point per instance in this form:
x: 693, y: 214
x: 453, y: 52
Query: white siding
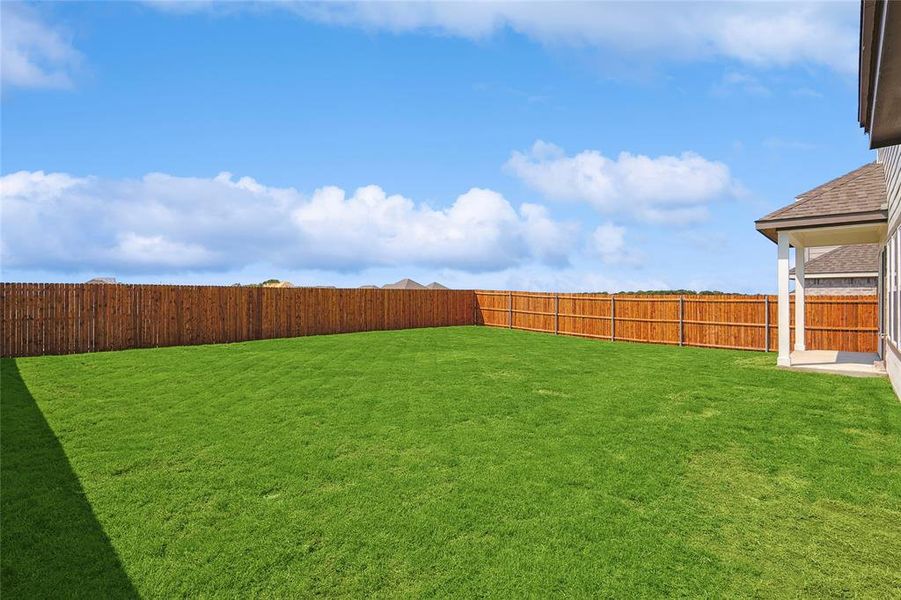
x: 891, y: 160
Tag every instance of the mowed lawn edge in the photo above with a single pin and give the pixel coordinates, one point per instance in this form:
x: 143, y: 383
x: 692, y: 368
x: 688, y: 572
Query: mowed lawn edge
x: 450, y: 461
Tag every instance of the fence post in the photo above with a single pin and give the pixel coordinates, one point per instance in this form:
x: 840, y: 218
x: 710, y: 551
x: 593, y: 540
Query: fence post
x: 681, y: 320
x: 556, y: 314
x: 612, y: 317
x: 766, y: 323
x: 510, y: 310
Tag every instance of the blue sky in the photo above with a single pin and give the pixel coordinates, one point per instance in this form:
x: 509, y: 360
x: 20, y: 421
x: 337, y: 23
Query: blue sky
x: 541, y: 146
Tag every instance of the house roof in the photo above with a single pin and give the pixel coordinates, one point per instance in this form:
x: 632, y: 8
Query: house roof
x: 436, y: 286
x: 404, y: 284
x: 879, y: 98
x: 857, y: 258
x: 858, y: 196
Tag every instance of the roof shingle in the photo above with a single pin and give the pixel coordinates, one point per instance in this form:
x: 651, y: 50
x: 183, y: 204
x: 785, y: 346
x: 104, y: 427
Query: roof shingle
x: 859, y: 258
x: 861, y: 190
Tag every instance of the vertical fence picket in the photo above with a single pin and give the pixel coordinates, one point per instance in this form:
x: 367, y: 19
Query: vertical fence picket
x: 612, y: 318
x: 556, y: 314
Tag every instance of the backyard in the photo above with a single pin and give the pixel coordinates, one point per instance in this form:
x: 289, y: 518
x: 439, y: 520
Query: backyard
x: 465, y: 461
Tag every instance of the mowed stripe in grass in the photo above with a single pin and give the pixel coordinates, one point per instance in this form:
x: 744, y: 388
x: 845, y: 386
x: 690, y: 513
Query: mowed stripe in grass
x: 456, y: 461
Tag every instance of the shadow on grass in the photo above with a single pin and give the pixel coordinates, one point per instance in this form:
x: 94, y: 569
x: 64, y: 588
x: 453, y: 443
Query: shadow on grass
x: 52, y: 544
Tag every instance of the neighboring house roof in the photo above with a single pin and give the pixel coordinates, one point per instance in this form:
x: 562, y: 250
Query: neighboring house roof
x: 102, y: 280
x: 404, y: 284
x: 369, y: 287
x: 436, y: 286
x: 858, y: 196
x: 279, y: 284
x: 858, y: 259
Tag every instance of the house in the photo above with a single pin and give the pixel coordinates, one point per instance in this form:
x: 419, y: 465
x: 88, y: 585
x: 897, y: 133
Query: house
x: 841, y: 270
x: 860, y: 207
x: 103, y: 280
x: 436, y: 286
x: 404, y: 284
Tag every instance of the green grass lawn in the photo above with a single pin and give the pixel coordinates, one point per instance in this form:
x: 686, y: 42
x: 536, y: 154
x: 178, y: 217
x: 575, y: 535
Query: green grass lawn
x: 460, y: 461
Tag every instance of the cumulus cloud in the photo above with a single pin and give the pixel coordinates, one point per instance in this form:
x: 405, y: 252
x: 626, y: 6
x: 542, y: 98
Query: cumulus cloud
x: 762, y: 34
x: 33, y: 53
x: 662, y: 189
x: 163, y: 224
x: 608, y: 242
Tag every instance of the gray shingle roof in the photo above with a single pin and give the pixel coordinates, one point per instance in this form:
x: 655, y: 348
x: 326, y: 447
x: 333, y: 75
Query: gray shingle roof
x: 859, y: 258
x: 861, y: 190
x: 404, y: 284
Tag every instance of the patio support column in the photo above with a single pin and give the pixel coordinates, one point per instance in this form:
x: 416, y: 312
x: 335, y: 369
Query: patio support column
x: 800, y: 285
x: 783, y: 321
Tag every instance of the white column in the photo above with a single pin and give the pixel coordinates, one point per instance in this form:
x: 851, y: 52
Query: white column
x: 799, y: 298
x: 784, y: 357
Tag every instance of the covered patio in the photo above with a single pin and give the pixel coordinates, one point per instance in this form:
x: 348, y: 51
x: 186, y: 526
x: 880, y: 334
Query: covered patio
x: 851, y: 209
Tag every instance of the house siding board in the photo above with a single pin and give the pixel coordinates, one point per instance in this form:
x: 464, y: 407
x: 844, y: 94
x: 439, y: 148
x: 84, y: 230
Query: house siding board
x: 893, y: 368
x: 890, y: 158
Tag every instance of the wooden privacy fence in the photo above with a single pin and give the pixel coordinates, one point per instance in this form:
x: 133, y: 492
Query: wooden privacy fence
x: 847, y: 323
x: 42, y: 319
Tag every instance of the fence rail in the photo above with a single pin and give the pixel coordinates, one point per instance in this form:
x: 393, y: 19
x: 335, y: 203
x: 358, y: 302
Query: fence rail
x: 37, y: 319
x: 42, y: 319
x: 847, y: 323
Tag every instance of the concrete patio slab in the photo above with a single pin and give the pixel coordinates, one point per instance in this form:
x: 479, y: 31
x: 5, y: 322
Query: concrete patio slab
x: 855, y: 364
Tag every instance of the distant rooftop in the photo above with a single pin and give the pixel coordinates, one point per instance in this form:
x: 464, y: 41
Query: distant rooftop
x: 855, y: 259
x: 404, y: 284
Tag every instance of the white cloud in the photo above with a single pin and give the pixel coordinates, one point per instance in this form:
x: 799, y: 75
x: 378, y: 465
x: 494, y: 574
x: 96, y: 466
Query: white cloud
x: 674, y: 189
x: 762, y: 34
x: 165, y: 224
x: 33, y: 54
x: 608, y: 242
